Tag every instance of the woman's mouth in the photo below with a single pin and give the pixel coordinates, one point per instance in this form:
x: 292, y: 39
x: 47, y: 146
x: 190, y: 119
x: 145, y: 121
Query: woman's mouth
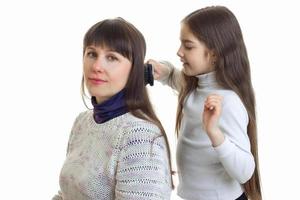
x: 97, y: 81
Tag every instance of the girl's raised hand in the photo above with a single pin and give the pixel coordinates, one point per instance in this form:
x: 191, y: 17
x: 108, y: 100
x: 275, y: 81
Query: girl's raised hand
x: 211, y: 113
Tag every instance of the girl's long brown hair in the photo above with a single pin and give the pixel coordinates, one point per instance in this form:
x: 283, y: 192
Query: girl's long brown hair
x: 219, y: 29
x: 124, y: 38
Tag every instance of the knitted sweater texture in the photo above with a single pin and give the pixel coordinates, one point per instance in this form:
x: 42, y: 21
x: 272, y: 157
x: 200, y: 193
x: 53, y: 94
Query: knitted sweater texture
x: 123, y: 158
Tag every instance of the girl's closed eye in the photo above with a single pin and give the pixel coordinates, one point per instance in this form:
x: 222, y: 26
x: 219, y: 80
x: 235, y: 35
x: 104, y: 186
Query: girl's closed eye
x: 188, y: 47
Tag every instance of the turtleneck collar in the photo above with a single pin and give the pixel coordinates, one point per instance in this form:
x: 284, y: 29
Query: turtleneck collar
x: 207, y: 80
x: 109, y: 109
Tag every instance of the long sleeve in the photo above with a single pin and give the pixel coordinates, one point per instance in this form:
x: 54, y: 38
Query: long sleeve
x: 58, y: 196
x: 143, y: 166
x: 234, y: 153
x: 174, y: 78
x: 204, y: 171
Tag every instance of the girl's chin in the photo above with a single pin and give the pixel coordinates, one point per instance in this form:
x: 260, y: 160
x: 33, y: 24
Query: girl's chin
x: 187, y: 72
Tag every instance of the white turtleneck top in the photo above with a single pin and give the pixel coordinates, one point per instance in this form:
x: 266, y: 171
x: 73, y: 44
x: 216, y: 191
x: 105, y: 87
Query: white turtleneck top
x: 206, y: 172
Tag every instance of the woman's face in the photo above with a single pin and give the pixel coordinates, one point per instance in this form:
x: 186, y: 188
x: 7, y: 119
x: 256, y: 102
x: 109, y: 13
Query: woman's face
x: 105, y: 72
x: 195, y: 56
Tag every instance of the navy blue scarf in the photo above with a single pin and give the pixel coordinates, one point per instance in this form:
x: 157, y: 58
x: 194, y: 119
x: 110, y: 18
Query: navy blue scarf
x: 109, y: 109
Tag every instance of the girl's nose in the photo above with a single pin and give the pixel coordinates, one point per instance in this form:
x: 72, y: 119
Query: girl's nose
x: 179, y: 53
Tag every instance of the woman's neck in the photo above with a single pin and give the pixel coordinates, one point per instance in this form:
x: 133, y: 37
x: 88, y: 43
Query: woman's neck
x: 109, y: 108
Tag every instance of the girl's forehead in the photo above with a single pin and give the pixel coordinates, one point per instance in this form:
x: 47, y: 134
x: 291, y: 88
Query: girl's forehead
x: 188, y: 37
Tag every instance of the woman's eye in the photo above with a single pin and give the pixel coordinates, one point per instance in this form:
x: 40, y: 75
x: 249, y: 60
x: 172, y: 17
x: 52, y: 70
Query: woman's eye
x: 111, y: 58
x: 91, y: 54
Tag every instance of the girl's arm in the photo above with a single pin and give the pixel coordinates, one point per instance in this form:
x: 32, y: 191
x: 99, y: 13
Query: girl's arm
x: 226, y: 127
x: 166, y: 73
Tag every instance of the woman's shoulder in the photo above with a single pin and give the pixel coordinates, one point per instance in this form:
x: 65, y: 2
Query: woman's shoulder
x: 84, y: 115
x: 83, y: 119
x: 137, y: 125
x: 137, y: 130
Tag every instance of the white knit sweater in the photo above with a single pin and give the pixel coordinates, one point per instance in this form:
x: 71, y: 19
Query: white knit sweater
x: 123, y: 158
x: 205, y: 172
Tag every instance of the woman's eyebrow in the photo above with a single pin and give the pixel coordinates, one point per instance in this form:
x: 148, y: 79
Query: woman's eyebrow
x: 186, y: 41
x: 90, y: 48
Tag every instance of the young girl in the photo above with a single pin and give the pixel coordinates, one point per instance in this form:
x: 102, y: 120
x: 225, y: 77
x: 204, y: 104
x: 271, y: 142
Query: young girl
x: 118, y: 150
x: 217, y: 145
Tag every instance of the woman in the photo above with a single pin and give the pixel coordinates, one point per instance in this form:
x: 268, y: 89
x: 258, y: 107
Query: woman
x: 118, y: 150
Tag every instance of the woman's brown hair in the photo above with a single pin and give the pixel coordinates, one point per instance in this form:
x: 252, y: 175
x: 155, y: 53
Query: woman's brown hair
x: 219, y: 29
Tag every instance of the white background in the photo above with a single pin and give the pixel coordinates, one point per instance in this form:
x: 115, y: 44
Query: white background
x: 41, y: 67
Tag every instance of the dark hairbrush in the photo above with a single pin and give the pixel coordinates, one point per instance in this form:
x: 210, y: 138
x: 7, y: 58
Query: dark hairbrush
x: 148, y: 74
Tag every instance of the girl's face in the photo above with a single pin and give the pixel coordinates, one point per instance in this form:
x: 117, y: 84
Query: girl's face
x: 105, y: 72
x: 195, y: 56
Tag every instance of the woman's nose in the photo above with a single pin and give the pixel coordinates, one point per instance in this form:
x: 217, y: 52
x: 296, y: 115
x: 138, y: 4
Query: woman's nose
x: 98, y: 65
